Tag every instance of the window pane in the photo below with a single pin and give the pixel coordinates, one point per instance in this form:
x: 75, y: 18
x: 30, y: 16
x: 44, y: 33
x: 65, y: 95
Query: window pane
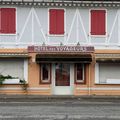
x: 79, y: 71
x: 45, y: 73
x: 62, y: 74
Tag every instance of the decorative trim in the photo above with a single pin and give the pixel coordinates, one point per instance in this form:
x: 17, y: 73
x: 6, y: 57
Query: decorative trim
x: 100, y: 88
x: 107, y: 56
x: 23, y: 55
x: 16, y: 88
x: 62, y: 3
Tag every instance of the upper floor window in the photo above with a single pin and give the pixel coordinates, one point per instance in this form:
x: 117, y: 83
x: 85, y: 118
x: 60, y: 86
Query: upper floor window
x: 56, y: 21
x: 98, y: 22
x: 7, y: 20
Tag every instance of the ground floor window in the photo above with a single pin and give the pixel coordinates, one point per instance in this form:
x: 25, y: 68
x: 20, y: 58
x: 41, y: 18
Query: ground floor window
x: 17, y: 68
x: 79, y: 73
x: 62, y: 73
x: 45, y: 73
x: 107, y: 73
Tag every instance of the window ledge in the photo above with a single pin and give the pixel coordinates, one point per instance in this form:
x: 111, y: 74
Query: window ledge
x: 98, y: 36
x: 8, y: 34
x: 107, y: 83
x: 56, y: 35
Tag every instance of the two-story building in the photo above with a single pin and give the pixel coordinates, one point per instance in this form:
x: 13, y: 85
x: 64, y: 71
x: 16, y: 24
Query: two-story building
x: 60, y: 47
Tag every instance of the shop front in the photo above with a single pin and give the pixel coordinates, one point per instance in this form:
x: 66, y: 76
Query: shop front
x: 62, y: 67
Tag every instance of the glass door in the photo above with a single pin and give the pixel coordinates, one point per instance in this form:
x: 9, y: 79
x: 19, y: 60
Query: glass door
x: 63, y: 78
x: 62, y: 74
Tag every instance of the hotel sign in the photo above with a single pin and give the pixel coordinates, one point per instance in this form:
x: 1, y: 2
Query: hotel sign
x: 60, y: 49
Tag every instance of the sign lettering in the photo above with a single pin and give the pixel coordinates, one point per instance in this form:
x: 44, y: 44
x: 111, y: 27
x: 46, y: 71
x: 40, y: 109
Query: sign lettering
x: 60, y: 49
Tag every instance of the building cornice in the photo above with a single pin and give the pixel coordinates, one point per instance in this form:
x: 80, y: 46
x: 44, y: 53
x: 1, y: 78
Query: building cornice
x: 63, y: 3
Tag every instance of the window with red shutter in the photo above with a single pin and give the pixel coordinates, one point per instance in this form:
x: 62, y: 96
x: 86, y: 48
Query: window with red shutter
x: 56, y: 21
x: 98, y: 22
x: 7, y: 20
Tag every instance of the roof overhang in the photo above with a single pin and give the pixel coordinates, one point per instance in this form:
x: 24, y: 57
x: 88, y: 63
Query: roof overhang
x: 14, y: 55
x: 61, y: 3
x: 107, y: 57
x: 49, y: 58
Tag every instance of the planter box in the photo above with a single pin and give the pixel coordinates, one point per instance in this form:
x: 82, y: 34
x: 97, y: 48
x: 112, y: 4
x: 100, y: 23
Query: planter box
x: 11, y: 81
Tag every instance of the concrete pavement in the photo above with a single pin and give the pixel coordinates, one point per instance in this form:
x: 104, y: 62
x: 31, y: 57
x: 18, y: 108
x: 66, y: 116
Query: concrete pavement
x: 42, y: 98
x: 60, y: 110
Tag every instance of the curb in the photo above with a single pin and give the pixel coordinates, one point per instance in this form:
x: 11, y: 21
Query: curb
x: 41, y: 98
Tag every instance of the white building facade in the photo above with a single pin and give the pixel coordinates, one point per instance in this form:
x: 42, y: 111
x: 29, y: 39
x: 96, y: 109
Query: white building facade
x: 60, y: 47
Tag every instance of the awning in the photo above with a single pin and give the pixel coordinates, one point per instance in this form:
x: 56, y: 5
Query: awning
x: 14, y: 55
x: 48, y: 58
x: 107, y: 57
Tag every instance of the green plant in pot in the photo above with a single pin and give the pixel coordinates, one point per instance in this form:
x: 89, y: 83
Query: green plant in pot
x: 24, y: 84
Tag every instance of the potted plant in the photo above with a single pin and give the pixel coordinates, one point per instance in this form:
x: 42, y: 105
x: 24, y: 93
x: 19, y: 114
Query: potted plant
x: 24, y: 84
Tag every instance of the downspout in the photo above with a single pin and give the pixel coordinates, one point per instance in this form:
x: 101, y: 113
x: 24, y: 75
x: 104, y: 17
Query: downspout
x: 89, y: 84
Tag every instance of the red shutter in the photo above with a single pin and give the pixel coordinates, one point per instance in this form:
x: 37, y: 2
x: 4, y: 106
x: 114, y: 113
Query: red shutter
x: 52, y: 25
x: 8, y: 20
x: 98, y: 22
x: 60, y: 22
x: 56, y: 25
x: 12, y: 20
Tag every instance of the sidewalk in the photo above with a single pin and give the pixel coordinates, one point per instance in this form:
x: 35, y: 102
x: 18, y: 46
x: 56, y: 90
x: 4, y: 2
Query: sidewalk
x: 54, y: 98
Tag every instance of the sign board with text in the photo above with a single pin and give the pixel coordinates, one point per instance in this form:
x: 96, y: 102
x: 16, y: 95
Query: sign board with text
x: 60, y: 49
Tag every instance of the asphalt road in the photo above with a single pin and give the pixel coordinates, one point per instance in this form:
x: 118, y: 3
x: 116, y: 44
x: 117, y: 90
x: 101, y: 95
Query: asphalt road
x: 73, y: 110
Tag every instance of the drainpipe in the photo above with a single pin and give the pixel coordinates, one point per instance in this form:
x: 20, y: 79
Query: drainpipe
x: 89, y: 84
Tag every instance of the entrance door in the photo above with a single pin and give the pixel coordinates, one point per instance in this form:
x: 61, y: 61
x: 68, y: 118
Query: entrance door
x: 63, y: 77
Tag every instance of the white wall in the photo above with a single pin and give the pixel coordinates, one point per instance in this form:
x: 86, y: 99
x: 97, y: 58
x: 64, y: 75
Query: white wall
x: 32, y: 28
